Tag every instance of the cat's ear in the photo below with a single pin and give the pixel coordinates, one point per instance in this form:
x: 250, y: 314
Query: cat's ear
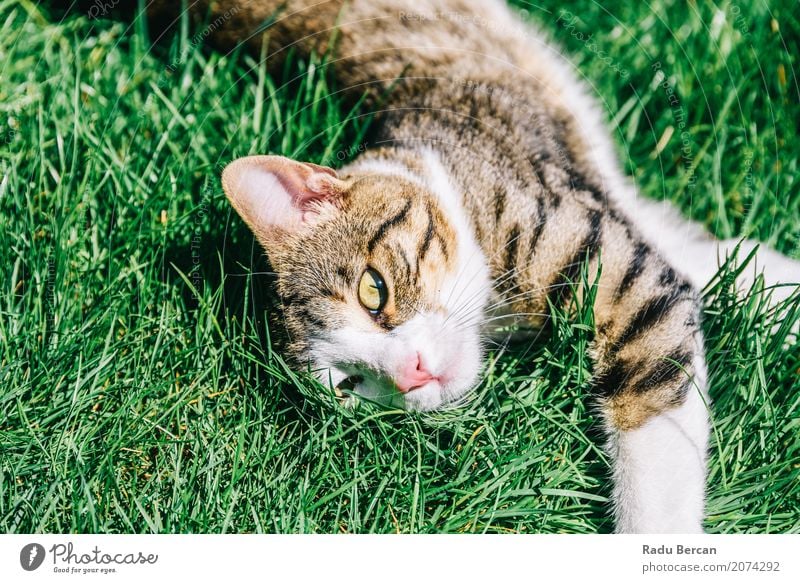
x: 277, y: 196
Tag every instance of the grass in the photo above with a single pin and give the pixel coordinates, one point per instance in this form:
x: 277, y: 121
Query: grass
x: 138, y: 388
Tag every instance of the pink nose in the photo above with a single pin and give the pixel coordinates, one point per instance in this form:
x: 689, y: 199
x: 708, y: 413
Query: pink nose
x: 413, y: 375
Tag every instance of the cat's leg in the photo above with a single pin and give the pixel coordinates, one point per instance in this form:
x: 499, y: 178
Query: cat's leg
x: 659, y: 467
x: 658, y: 447
x: 650, y: 377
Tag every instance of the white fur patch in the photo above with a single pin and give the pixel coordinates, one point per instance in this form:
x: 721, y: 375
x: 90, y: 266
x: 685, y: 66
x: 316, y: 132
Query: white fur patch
x: 466, y: 294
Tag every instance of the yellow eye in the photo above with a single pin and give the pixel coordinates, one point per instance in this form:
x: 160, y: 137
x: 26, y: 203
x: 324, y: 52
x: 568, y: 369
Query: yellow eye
x: 372, y: 291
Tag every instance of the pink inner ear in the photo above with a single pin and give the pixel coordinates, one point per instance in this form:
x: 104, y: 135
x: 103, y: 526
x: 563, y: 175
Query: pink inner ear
x: 300, y: 181
x: 273, y: 194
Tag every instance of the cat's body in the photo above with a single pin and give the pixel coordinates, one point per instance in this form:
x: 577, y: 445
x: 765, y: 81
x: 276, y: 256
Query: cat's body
x: 488, y: 184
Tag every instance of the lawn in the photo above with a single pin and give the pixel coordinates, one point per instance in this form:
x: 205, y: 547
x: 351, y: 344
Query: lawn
x: 138, y: 388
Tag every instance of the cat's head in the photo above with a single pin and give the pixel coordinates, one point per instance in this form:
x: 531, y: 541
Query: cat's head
x: 383, y: 287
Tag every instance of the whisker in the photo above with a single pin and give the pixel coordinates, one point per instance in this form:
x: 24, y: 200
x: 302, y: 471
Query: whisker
x: 516, y: 314
x: 463, y: 269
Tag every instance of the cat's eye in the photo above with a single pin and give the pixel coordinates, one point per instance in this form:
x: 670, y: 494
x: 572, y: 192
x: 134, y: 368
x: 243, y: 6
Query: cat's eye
x: 372, y: 291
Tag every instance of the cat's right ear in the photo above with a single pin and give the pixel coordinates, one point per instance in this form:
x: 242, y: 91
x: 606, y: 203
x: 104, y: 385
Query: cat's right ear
x: 278, y: 196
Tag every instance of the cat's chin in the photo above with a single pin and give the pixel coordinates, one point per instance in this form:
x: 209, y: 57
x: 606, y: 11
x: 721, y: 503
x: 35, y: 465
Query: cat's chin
x: 426, y: 398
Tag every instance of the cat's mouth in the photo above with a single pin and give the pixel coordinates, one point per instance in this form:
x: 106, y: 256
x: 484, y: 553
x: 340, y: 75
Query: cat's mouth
x: 381, y: 389
x: 371, y: 386
x: 356, y: 383
x: 351, y: 384
x: 347, y: 386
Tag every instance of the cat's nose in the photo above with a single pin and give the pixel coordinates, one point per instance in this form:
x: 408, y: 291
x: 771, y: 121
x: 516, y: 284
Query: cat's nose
x: 413, y: 374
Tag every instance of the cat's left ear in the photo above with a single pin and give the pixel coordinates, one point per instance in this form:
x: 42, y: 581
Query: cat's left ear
x: 278, y: 196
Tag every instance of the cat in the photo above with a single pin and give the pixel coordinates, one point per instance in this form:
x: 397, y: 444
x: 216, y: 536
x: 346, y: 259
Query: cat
x: 488, y: 185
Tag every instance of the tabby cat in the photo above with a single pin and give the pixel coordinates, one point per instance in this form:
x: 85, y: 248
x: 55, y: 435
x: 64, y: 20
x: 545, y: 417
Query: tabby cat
x: 488, y: 183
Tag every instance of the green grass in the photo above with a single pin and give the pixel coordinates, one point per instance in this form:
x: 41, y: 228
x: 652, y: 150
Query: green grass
x: 138, y: 389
